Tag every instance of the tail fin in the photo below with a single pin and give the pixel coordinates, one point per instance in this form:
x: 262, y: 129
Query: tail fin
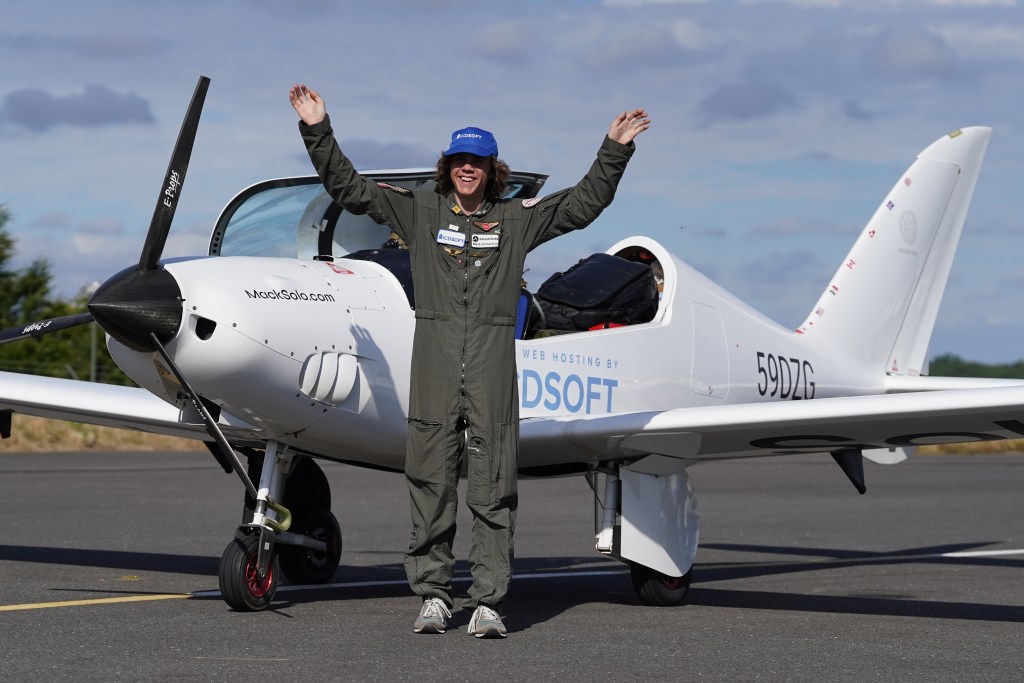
x: 882, y: 302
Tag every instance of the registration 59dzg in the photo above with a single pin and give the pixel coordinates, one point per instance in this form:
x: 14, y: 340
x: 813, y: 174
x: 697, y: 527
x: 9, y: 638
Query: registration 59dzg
x: 784, y: 377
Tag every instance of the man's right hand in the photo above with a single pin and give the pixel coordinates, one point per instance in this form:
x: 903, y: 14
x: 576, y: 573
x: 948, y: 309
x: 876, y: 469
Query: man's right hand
x: 307, y: 104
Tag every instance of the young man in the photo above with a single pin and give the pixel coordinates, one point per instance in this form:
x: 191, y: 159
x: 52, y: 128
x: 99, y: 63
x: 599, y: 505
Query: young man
x: 468, y: 247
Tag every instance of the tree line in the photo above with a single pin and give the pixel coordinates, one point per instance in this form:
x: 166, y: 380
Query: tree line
x: 949, y: 365
x: 26, y: 296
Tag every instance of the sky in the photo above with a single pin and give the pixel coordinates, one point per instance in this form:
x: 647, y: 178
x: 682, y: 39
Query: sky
x: 777, y: 126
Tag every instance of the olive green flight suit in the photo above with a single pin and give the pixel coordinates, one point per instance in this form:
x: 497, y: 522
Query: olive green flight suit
x: 466, y: 272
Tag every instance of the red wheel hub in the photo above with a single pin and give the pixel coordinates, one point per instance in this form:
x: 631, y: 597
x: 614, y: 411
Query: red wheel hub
x: 672, y: 582
x: 257, y: 588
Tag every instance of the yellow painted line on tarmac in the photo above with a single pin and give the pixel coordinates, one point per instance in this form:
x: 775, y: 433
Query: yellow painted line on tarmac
x: 93, y: 601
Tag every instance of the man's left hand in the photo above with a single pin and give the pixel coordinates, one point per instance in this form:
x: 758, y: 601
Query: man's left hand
x: 628, y: 125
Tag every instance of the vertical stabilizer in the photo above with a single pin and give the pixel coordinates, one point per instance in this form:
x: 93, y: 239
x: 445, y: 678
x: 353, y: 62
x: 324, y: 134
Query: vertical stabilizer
x: 880, y: 306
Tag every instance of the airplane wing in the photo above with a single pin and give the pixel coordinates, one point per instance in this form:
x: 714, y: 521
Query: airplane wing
x: 781, y: 428
x: 92, y: 403
x: 703, y: 433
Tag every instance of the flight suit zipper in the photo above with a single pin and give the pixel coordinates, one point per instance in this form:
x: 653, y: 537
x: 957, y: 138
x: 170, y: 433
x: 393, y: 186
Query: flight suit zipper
x: 464, y: 261
x: 465, y: 321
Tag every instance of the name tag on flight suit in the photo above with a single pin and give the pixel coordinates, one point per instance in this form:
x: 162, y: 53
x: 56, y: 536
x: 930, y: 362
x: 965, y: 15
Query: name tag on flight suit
x: 451, y: 238
x: 485, y: 241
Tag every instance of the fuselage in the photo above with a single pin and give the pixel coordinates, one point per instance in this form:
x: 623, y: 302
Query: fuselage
x: 315, y: 354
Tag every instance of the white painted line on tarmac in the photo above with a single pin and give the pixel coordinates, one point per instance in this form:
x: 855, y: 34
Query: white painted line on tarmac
x: 404, y: 582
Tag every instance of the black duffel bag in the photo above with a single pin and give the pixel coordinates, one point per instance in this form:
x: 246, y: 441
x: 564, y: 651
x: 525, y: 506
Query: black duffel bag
x: 600, y: 290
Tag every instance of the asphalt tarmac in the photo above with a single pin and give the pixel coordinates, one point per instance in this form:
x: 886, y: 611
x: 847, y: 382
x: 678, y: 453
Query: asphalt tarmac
x: 108, y: 563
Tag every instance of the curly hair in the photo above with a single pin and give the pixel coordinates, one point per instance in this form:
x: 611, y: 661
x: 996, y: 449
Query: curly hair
x: 497, y: 178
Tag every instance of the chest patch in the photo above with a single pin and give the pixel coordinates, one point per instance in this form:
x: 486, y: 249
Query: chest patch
x: 451, y: 238
x: 485, y: 241
x: 486, y: 227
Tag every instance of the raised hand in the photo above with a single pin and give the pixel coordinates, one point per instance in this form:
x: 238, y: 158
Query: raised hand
x: 307, y: 104
x: 628, y: 125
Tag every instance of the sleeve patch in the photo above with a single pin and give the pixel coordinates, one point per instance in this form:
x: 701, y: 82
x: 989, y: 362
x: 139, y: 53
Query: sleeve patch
x: 527, y: 203
x: 395, y: 188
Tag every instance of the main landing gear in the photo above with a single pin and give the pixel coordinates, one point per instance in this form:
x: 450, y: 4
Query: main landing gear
x: 649, y: 518
x: 655, y: 589
x: 299, y: 539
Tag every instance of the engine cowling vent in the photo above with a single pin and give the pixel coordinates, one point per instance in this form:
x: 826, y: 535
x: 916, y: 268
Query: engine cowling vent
x: 329, y: 377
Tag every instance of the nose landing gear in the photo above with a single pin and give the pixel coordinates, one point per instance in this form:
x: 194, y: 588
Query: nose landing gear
x: 302, y: 542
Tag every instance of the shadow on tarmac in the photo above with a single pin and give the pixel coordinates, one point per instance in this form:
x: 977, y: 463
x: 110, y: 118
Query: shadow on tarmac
x: 545, y: 587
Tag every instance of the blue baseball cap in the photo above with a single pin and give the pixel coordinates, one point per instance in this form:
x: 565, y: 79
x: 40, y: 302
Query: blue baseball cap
x: 473, y: 141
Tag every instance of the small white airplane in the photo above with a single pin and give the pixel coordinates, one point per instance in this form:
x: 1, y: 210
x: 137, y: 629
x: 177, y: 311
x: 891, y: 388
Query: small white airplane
x: 291, y: 341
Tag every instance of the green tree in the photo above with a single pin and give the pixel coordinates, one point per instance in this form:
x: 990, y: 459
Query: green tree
x: 949, y: 365
x: 26, y: 295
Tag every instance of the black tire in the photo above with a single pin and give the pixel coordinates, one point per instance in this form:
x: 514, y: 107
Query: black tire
x: 306, y: 490
x: 304, y: 566
x: 240, y: 585
x: 658, y: 590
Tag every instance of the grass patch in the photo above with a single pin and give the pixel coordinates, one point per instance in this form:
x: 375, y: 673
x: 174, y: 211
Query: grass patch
x: 977, y: 447
x: 37, y: 434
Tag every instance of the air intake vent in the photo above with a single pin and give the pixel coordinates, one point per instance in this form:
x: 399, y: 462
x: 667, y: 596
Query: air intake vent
x: 329, y: 377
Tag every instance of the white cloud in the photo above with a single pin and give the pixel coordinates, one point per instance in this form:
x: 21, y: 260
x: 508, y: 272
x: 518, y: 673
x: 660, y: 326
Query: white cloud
x: 641, y: 3
x: 972, y: 3
x: 689, y: 34
x: 911, y: 51
x: 976, y: 39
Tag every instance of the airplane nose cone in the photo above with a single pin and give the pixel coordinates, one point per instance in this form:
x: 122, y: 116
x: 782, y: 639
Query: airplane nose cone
x: 134, y: 303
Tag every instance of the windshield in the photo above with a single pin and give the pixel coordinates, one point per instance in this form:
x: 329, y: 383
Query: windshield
x: 296, y: 218
x: 264, y: 224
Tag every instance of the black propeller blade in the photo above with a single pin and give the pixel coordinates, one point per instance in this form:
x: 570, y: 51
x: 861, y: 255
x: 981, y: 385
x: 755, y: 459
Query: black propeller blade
x: 41, y: 327
x: 167, y: 202
x: 143, y: 300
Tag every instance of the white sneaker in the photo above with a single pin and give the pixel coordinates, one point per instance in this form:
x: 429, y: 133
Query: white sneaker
x: 433, y: 617
x: 485, y: 623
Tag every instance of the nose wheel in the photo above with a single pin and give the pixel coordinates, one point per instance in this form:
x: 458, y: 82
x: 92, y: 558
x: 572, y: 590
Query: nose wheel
x: 241, y: 585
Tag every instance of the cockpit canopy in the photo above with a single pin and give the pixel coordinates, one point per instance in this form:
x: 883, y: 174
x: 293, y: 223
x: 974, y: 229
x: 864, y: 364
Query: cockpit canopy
x: 295, y: 217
